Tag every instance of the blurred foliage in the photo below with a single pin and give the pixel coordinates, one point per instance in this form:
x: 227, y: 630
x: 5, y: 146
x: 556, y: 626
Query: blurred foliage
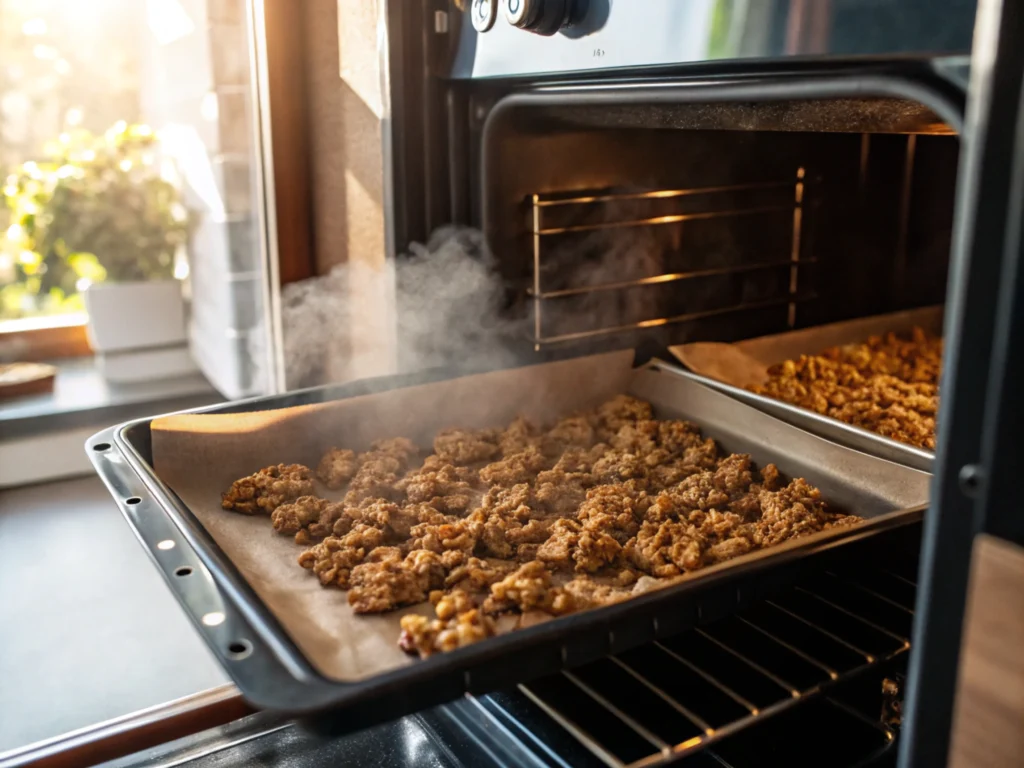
x: 67, y: 64
x: 97, y: 208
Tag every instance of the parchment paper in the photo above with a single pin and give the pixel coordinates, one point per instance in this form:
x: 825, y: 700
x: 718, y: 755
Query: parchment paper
x: 746, y: 363
x: 199, y: 455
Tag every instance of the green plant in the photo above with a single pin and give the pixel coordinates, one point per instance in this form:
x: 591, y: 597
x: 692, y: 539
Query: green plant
x: 98, y: 208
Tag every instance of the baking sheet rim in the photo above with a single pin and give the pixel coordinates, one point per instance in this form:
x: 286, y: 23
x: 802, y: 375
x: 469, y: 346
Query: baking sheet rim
x: 804, y: 415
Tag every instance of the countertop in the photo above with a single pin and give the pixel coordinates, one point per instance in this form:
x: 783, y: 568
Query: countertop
x: 88, y: 631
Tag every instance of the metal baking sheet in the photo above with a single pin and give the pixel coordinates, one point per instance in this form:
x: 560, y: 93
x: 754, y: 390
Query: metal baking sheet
x: 266, y: 655
x: 730, y: 368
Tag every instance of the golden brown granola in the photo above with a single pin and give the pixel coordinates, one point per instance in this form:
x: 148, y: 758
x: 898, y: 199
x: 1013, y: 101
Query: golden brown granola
x: 531, y: 522
x: 376, y: 478
x: 571, y: 432
x: 462, y: 447
x: 382, y: 586
x: 459, y: 623
x: 475, y: 574
x: 515, y: 468
x: 333, y: 559
x: 337, y: 467
x: 621, y: 411
x: 518, y: 436
x: 456, y: 534
x: 266, y: 490
x: 307, y: 518
x: 446, y: 487
x: 528, y: 588
x: 889, y: 385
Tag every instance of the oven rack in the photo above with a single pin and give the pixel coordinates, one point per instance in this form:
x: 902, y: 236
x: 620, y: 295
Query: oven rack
x: 841, y: 726
x: 693, y: 697
x: 566, y: 217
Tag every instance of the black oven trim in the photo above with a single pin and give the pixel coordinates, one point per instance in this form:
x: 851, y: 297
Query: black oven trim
x: 978, y: 461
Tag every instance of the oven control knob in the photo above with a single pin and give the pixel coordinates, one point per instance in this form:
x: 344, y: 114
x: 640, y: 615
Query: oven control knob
x: 483, y: 13
x: 545, y: 17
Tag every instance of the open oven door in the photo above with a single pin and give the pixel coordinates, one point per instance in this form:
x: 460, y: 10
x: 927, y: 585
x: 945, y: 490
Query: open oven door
x: 979, y: 458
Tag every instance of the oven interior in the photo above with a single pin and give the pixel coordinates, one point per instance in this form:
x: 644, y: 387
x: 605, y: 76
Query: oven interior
x: 646, y: 224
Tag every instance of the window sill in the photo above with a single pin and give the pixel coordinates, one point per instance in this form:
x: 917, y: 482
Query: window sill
x: 41, y: 436
x: 35, y: 339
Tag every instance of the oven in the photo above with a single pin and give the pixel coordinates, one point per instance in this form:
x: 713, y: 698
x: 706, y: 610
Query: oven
x: 646, y: 174
x: 787, y: 169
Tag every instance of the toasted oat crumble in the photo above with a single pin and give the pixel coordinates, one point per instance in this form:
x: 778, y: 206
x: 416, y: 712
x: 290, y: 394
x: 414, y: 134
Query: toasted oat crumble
x: 527, y: 521
x: 889, y: 385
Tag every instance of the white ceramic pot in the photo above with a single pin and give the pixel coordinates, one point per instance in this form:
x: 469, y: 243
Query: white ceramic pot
x: 135, y: 316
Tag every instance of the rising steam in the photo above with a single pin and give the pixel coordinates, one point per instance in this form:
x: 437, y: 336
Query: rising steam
x: 445, y: 304
x: 445, y: 301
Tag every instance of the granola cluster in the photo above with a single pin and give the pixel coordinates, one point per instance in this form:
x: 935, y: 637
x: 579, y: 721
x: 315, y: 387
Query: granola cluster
x: 528, y: 521
x: 889, y: 385
x: 266, y: 490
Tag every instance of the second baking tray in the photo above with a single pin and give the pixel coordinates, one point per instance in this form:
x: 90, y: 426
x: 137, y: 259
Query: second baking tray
x: 264, y: 658
x: 729, y: 368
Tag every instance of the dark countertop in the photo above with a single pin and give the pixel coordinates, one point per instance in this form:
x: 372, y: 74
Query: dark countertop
x: 88, y: 631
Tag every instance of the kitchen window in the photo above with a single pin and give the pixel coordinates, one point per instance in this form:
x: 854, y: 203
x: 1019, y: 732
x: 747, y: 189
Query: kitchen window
x: 129, y: 207
x: 132, y: 252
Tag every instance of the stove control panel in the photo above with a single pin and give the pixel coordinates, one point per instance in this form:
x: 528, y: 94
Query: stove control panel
x: 483, y: 13
x: 544, y: 17
x: 522, y: 37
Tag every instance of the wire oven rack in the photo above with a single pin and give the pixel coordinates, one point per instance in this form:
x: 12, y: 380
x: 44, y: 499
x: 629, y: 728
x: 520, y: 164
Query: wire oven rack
x: 756, y: 687
x: 666, y: 256
x: 694, y: 697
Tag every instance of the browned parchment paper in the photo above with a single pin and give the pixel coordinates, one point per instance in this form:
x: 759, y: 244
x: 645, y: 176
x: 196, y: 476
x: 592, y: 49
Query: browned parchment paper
x: 199, y: 455
x: 746, y: 363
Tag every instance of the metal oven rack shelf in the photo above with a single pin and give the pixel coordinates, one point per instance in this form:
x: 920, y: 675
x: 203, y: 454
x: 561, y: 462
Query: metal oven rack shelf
x: 701, y: 697
x: 665, y: 256
x: 798, y: 679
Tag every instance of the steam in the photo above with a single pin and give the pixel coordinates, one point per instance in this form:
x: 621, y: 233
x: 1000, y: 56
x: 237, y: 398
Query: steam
x: 446, y: 305
x: 452, y: 304
x: 441, y: 305
x: 601, y: 258
x: 314, y: 319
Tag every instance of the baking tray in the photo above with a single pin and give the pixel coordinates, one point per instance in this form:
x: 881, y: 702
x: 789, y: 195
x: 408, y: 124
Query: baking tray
x: 271, y: 670
x: 729, y: 368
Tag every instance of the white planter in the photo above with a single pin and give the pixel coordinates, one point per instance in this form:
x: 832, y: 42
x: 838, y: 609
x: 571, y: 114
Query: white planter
x: 135, y: 316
